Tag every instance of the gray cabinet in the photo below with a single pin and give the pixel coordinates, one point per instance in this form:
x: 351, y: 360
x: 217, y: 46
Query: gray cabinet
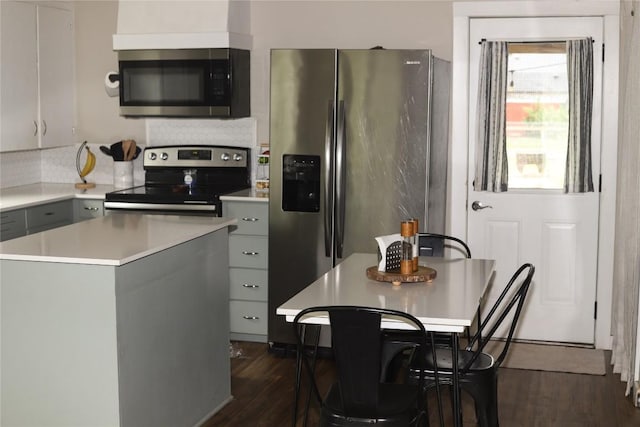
x: 48, y: 216
x: 84, y: 209
x: 248, y: 263
x: 20, y: 222
x: 12, y: 224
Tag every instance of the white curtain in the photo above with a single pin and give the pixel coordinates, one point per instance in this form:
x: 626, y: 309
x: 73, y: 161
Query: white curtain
x: 578, y: 175
x: 491, y: 172
x: 626, y: 277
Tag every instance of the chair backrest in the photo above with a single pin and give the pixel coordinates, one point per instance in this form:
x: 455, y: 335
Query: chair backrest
x: 431, y: 244
x: 510, y: 302
x: 357, y: 347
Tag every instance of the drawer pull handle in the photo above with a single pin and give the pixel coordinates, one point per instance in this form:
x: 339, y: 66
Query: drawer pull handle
x: 49, y: 213
x: 247, y: 285
x: 250, y: 253
x: 89, y: 208
x: 251, y: 317
x: 250, y: 219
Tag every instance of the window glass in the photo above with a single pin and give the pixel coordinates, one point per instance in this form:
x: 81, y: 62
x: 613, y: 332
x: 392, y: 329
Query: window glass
x: 537, y: 115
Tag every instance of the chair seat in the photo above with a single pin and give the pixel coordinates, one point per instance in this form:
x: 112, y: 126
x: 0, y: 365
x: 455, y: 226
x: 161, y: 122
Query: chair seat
x: 483, y: 362
x: 397, y: 406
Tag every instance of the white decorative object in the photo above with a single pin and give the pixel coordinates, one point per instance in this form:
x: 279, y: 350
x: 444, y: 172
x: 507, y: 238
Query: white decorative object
x: 389, y: 252
x: 123, y: 174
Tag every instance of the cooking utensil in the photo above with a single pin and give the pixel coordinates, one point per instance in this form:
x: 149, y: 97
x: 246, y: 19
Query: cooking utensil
x: 116, y: 151
x: 133, y: 150
x: 106, y: 150
x: 126, y: 147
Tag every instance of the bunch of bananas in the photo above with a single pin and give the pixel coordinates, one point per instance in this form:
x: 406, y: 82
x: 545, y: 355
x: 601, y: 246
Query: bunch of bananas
x: 89, y: 164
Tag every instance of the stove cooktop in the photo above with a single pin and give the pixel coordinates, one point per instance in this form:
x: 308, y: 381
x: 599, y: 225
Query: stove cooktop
x: 180, y: 177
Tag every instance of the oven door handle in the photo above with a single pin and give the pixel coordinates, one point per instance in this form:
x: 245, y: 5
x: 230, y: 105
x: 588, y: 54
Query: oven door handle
x: 131, y: 206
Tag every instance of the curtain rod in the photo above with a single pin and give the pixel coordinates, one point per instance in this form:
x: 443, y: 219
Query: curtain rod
x: 535, y: 41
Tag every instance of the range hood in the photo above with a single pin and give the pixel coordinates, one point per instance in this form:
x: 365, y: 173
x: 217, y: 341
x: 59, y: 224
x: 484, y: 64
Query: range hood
x: 182, y: 24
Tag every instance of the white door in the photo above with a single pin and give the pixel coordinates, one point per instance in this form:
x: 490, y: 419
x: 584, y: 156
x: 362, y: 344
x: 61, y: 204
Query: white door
x: 535, y: 221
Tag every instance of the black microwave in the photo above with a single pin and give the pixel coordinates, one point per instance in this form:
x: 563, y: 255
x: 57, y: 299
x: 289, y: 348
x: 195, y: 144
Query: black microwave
x: 184, y: 83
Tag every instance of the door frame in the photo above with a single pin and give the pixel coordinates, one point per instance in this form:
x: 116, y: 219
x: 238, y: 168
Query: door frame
x: 457, y: 202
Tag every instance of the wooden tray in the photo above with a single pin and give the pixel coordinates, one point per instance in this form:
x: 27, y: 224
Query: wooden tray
x: 424, y: 274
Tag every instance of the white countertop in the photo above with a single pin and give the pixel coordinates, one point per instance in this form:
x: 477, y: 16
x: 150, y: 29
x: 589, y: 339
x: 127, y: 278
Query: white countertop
x: 24, y: 196
x: 111, y: 240
x: 247, y: 195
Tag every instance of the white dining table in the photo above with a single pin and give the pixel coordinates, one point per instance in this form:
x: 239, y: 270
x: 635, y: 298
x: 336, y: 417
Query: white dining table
x: 449, y: 303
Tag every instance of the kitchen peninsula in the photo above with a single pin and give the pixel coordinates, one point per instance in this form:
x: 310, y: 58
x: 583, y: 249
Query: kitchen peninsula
x: 122, y: 320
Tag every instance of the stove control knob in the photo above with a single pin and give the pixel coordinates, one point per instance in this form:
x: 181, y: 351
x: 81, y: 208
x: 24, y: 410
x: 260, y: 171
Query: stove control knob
x: 152, y: 156
x: 164, y: 156
x: 237, y: 157
x: 224, y: 157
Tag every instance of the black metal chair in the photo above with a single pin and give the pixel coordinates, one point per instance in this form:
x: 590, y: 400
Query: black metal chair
x: 398, y: 342
x: 433, y: 244
x: 478, y: 371
x: 358, y: 397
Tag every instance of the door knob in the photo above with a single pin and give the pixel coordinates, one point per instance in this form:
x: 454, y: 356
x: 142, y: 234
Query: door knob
x: 476, y: 206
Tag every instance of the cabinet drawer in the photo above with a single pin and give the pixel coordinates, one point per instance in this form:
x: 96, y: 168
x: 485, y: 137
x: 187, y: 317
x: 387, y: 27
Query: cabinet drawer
x: 248, y: 284
x: 87, y: 209
x: 40, y: 218
x: 253, y: 218
x: 248, y: 317
x: 248, y: 251
x: 12, y: 224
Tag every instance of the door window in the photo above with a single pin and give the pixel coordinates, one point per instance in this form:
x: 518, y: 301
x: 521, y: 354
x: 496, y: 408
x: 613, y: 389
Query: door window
x: 537, y: 115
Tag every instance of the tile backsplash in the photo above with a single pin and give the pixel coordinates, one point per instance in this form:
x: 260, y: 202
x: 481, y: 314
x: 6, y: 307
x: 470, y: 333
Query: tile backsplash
x: 20, y: 168
x: 59, y: 164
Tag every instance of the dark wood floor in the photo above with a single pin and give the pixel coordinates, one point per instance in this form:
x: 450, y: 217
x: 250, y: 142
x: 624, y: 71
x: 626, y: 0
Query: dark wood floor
x: 262, y: 386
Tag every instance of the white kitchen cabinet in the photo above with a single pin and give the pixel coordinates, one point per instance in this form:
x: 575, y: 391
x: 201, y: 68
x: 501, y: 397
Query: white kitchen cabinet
x: 18, y: 76
x: 248, y: 267
x: 56, y: 64
x: 36, y: 76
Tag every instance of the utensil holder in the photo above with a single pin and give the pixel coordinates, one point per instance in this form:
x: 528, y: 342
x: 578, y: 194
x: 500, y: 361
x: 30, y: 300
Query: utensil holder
x: 123, y: 174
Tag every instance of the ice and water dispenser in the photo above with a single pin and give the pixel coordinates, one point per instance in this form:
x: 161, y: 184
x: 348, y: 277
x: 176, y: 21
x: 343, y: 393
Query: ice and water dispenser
x: 300, y: 183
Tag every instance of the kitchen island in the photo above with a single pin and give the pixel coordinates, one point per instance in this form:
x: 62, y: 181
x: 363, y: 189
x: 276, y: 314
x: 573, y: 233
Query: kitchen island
x: 121, y: 320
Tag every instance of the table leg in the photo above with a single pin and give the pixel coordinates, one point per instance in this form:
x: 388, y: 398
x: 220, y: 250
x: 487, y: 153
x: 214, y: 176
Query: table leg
x: 311, y: 369
x: 296, y: 391
x: 455, y: 386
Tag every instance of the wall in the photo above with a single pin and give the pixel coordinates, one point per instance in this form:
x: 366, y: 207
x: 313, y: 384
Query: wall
x: 340, y: 24
x: 98, y: 118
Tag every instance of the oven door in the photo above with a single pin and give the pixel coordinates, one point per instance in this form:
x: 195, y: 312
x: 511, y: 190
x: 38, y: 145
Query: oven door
x: 164, y: 199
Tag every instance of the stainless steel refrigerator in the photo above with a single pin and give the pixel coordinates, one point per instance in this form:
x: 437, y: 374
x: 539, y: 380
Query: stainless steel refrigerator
x: 358, y: 142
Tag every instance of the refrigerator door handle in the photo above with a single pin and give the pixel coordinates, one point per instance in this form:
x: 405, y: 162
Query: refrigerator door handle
x: 328, y: 181
x: 340, y: 180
